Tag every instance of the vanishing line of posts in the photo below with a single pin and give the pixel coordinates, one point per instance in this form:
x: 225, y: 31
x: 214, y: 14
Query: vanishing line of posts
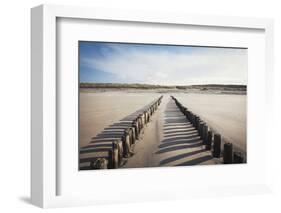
x: 210, y: 139
x: 122, y: 148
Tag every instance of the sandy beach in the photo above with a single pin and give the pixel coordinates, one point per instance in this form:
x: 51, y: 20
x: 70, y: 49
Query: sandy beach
x: 225, y: 114
x: 99, y: 110
x: 169, y: 139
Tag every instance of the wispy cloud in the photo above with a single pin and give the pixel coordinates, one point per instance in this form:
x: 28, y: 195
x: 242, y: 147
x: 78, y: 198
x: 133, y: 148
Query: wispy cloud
x: 168, y: 65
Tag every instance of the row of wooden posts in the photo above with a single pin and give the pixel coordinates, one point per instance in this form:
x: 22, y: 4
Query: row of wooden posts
x: 122, y: 148
x: 211, y: 140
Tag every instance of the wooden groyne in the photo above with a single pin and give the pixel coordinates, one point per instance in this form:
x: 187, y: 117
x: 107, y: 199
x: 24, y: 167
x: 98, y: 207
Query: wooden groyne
x: 118, y: 146
x: 211, y: 139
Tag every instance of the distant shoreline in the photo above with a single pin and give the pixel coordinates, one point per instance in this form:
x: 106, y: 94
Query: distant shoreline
x: 207, y: 88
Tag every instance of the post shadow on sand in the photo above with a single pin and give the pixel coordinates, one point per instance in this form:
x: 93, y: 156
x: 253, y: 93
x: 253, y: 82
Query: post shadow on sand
x: 180, y: 135
x: 102, y: 142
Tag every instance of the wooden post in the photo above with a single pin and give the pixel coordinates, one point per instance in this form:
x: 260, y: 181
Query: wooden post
x: 191, y: 118
x: 227, y: 153
x: 217, y: 146
x: 143, y: 119
x: 115, y: 155
x: 205, y: 134
x: 209, y: 140
x: 188, y: 115
x: 148, y: 116
x: 238, y: 157
x: 197, y: 122
x: 99, y: 163
x: 185, y: 111
x: 132, y: 135
x: 201, y: 130
x: 120, y: 151
x: 140, y: 122
x: 135, y: 126
x: 126, y: 144
x: 194, y: 120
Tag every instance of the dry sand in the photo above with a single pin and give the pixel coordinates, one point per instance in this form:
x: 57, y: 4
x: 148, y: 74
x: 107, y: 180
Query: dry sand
x: 226, y: 114
x: 169, y: 139
x: 99, y: 110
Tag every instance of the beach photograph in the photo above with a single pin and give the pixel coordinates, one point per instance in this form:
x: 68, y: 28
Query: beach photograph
x: 159, y: 105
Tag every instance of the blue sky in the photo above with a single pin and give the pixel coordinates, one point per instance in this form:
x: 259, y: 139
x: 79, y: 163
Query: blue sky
x: 102, y: 62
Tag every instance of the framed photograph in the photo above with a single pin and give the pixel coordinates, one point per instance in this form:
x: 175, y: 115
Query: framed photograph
x: 149, y: 106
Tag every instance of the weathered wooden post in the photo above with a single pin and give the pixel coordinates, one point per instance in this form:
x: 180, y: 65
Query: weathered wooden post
x: 126, y: 144
x: 205, y: 133
x: 227, y: 153
x: 201, y: 130
x: 99, y: 163
x: 135, y: 126
x: 194, y: 120
x: 140, y: 122
x: 209, y: 140
x: 191, y: 118
x: 110, y: 159
x: 132, y: 135
x: 120, y: 151
x: 187, y: 114
x: 148, y: 116
x: 238, y: 157
x: 217, y: 146
x: 185, y: 111
x: 143, y: 119
x: 114, y: 156
x: 198, y: 123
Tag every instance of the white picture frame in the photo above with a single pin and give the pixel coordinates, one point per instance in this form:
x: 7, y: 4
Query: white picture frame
x: 44, y: 153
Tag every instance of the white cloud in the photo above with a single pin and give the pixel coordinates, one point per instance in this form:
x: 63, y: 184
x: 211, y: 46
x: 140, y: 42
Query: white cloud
x: 204, y: 65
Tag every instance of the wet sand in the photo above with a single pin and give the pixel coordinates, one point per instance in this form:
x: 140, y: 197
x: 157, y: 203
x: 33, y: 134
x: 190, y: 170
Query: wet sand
x: 169, y: 139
